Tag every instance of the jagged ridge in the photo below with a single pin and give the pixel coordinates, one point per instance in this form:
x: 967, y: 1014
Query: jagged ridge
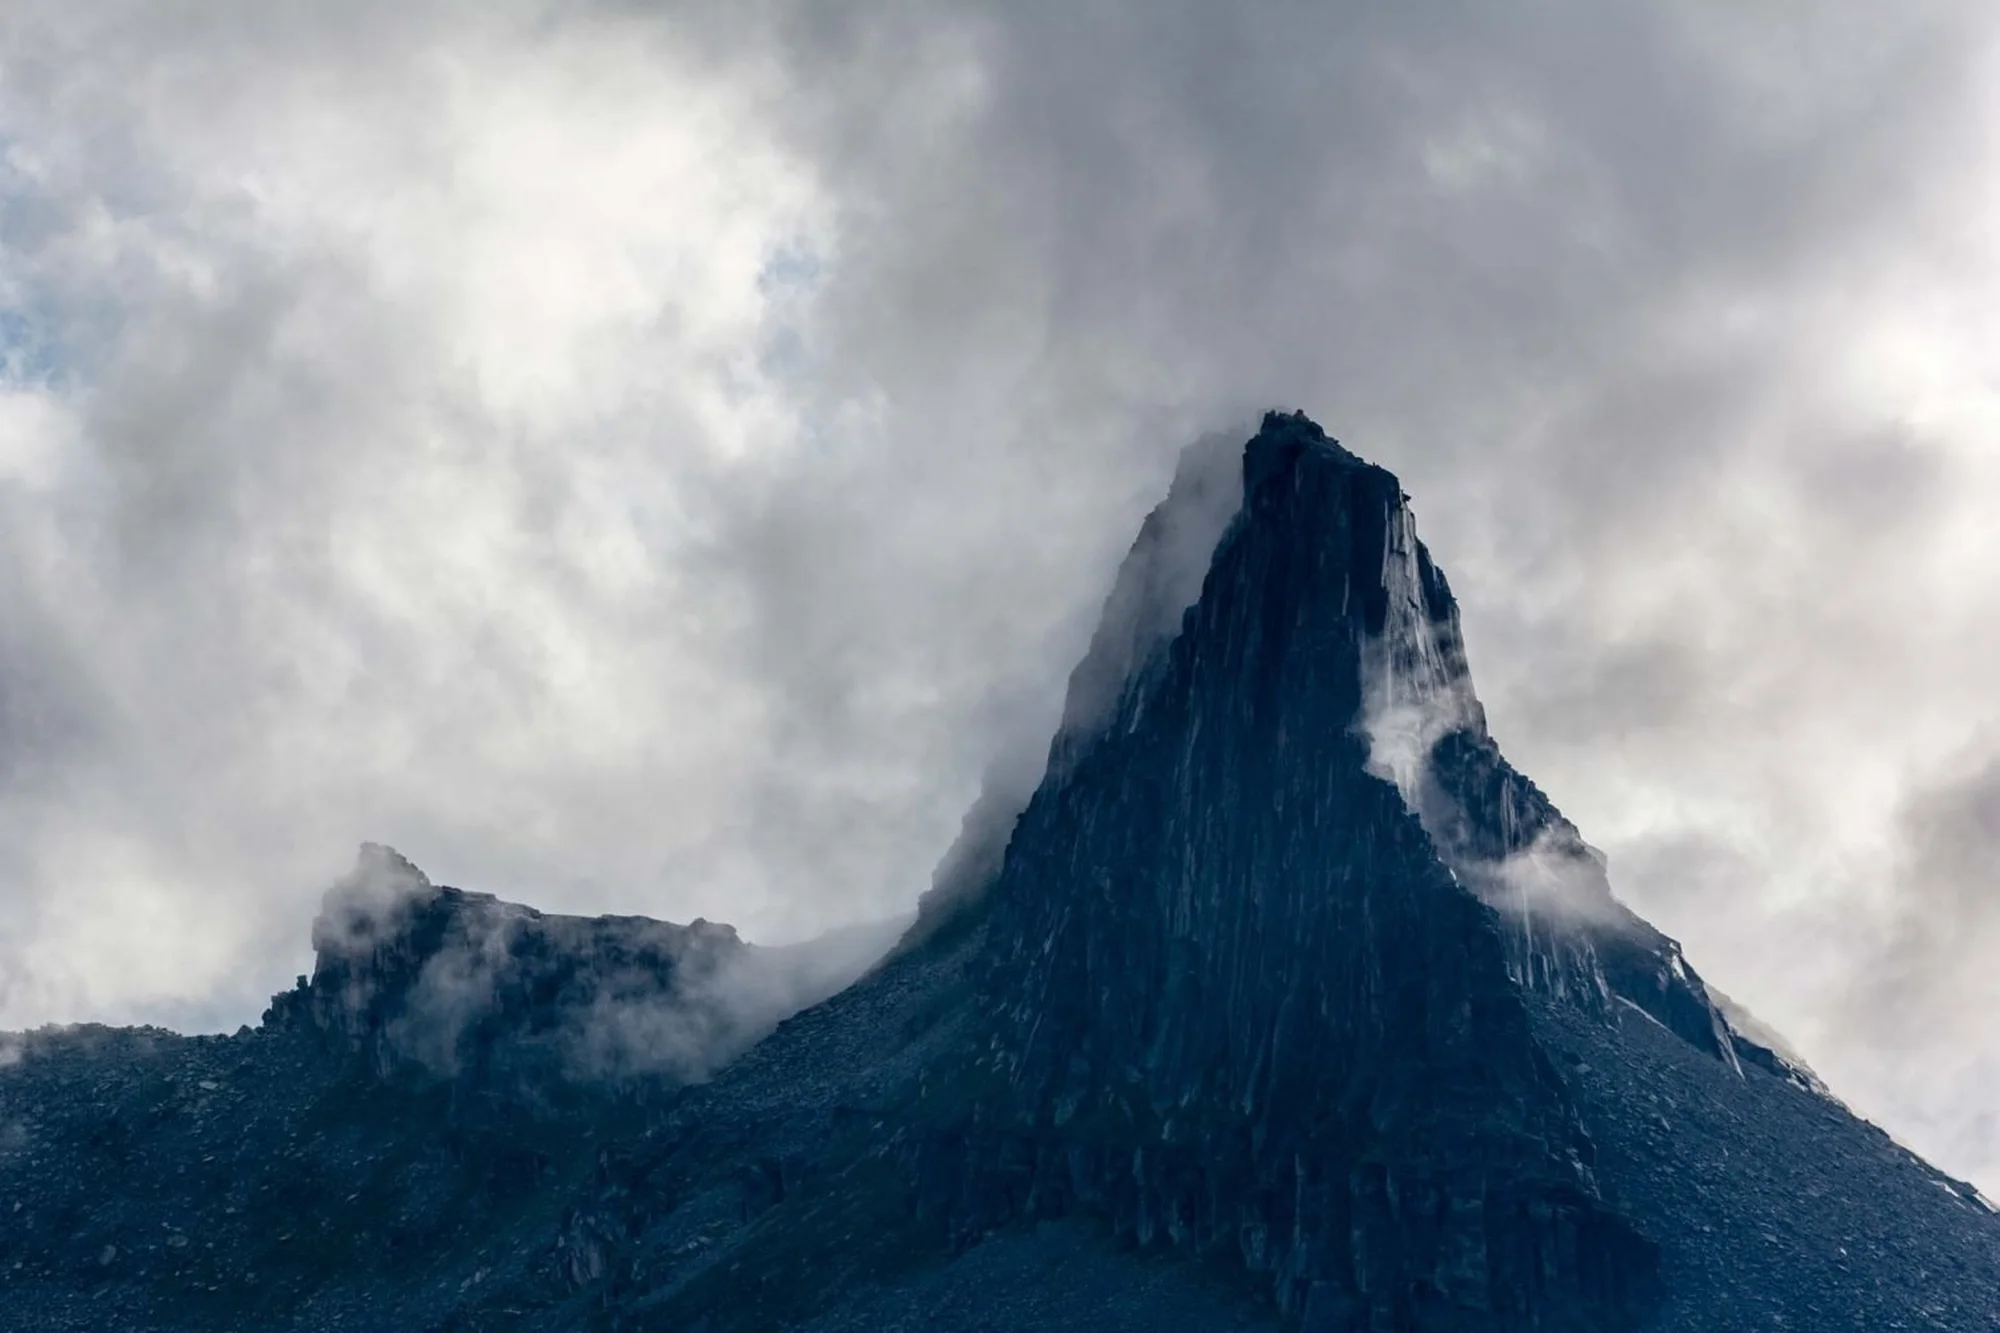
x: 409, y: 973
x: 1282, y: 969
x: 1240, y: 1004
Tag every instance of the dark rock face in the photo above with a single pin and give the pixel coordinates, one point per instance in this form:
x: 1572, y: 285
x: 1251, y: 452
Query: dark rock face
x: 1284, y: 1001
x: 387, y: 1150
x: 465, y: 985
x: 1240, y: 1004
x: 486, y: 993
x: 1285, y: 964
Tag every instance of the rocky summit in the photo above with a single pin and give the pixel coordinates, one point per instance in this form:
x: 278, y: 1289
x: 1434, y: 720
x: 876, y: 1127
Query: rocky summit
x: 1283, y: 1002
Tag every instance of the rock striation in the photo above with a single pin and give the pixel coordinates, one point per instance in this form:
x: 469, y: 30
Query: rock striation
x: 1241, y: 1004
x: 1277, y: 966
x: 1282, y: 1002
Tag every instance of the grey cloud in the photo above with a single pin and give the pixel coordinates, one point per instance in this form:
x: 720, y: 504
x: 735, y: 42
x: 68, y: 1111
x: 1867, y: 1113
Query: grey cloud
x: 1944, y: 921
x: 1914, y: 1008
x: 698, y: 551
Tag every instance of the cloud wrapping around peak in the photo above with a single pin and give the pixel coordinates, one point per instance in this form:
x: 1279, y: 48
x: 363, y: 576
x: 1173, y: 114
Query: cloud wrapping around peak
x: 654, y: 458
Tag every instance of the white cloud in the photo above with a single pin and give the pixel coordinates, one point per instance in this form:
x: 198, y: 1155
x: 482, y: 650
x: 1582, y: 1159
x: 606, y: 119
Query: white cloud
x: 390, y: 391
x: 653, y: 459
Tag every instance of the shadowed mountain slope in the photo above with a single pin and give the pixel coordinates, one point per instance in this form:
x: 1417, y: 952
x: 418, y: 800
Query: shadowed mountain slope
x: 1284, y: 1001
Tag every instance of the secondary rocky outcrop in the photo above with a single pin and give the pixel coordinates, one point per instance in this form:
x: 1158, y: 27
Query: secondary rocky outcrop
x: 1283, y: 1001
x: 465, y: 985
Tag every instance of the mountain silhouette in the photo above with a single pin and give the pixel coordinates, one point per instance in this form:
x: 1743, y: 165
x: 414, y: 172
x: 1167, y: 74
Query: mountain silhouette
x: 1284, y: 1001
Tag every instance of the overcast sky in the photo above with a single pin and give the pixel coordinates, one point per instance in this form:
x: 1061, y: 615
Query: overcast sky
x: 653, y: 458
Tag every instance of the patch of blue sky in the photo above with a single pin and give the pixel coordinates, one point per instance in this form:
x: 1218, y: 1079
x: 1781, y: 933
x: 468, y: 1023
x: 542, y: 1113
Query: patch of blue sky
x: 28, y: 353
x: 790, y: 276
x: 793, y: 268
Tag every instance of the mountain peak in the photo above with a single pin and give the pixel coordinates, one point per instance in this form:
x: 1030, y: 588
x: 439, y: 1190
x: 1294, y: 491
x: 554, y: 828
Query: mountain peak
x: 1215, y: 901
x: 1282, y: 970
x: 1284, y: 440
x: 1278, y: 864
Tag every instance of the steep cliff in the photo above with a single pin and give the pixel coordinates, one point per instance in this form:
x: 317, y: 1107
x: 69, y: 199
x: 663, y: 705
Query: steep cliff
x: 1283, y: 1001
x: 1240, y: 1003
x: 1285, y: 968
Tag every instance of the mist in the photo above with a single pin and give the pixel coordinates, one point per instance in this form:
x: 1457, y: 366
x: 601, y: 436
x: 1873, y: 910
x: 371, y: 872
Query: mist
x: 410, y: 973
x: 658, y: 458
